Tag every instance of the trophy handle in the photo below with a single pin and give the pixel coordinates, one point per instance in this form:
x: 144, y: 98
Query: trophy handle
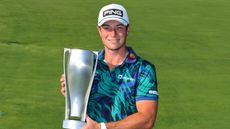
x: 83, y: 118
x: 67, y: 52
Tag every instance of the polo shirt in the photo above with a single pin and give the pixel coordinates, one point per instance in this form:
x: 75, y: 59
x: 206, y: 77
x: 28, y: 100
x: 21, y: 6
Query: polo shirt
x: 115, y: 92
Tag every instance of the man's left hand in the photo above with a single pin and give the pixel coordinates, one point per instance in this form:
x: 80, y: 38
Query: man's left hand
x: 91, y: 124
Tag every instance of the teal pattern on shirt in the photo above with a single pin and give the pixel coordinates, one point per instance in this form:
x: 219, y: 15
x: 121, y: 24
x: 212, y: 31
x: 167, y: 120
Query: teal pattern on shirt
x: 114, y: 92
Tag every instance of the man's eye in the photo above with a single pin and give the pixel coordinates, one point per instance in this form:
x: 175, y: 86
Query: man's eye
x: 121, y: 27
x: 106, y: 27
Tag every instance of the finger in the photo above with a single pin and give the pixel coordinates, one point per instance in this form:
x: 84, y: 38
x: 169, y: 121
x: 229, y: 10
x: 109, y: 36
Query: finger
x: 88, y: 118
x: 84, y: 127
x: 62, y: 78
x: 63, y: 92
x: 63, y: 84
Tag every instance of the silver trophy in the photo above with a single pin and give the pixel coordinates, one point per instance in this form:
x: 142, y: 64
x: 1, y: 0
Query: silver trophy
x: 79, y: 70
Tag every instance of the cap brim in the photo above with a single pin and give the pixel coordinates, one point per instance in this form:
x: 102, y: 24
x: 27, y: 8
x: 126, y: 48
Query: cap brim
x: 122, y: 21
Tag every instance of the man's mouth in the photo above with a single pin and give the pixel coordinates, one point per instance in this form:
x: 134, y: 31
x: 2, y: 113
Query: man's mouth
x: 113, y: 39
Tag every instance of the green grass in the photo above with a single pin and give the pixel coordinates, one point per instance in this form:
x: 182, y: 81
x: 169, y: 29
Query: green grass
x: 187, y: 40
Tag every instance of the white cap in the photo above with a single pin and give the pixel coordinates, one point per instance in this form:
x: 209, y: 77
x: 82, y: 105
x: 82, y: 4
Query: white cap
x: 113, y: 12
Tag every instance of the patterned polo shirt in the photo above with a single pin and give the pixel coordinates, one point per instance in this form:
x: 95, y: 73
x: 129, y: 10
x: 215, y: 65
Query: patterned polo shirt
x: 115, y: 92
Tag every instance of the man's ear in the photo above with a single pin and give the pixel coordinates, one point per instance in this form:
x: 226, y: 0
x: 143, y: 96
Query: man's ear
x: 128, y: 29
x: 99, y: 30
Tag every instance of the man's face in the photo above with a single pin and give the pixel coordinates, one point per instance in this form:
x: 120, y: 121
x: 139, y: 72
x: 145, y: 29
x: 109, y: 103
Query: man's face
x: 113, y: 34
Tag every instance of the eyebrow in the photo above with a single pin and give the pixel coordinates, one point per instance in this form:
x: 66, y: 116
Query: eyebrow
x: 120, y: 24
x: 104, y: 25
x: 109, y: 25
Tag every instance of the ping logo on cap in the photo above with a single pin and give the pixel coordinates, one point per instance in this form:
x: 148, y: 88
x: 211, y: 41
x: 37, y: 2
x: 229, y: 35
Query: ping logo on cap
x: 113, y: 12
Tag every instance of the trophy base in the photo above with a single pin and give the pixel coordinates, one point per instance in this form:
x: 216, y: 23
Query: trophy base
x: 73, y: 124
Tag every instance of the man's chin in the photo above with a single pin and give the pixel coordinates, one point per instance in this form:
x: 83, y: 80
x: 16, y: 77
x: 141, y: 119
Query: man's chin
x: 115, y: 48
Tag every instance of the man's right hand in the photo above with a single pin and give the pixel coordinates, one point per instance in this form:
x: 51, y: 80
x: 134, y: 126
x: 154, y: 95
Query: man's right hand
x: 62, y: 81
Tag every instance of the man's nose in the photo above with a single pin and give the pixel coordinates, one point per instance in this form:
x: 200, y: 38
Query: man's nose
x: 113, y: 32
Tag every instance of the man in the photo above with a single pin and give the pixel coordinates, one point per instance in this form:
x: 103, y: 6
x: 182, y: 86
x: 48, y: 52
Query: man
x: 124, y: 92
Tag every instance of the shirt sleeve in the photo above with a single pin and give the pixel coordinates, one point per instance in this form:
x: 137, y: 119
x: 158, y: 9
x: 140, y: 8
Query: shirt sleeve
x: 147, y: 83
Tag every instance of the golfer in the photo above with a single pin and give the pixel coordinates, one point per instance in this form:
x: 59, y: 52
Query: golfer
x: 124, y: 93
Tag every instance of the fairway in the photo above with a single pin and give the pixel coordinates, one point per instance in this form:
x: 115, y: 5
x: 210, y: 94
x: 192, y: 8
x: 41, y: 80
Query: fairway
x: 187, y: 40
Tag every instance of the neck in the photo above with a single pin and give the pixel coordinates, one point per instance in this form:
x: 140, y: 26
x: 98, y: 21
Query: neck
x: 115, y: 57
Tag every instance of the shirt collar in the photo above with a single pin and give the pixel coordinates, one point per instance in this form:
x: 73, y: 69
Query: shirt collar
x: 131, y: 57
